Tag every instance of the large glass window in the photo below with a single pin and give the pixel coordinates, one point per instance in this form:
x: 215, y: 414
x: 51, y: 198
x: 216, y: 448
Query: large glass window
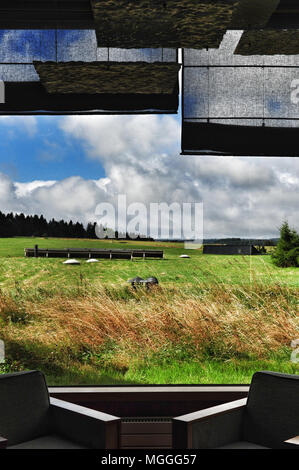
x: 222, y: 87
x: 123, y: 262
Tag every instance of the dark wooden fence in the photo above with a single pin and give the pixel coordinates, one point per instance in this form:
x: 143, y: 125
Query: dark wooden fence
x: 91, y: 253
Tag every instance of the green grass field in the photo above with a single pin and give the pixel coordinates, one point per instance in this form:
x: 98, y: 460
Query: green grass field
x: 172, y: 270
x: 213, y: 319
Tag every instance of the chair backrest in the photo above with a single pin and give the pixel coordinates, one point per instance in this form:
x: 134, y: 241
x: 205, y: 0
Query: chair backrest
x: 24, y: 406
x: 272, y: 411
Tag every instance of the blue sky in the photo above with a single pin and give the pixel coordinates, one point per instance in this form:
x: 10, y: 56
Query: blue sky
x: 64, y: 166
x: 45, y: 155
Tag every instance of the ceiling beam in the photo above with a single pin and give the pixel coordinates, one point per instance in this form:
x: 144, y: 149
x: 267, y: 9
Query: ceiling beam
x: 77, y: 14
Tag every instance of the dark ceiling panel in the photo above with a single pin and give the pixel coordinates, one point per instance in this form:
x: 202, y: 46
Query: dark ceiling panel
x: 218, y: 139
x: 269, y: 42
x: 45, y: 14
x: 31, y: 98
x: 252, y: 14
x: 77, y: 14
x: 157, y: 23
x: 108, y: 77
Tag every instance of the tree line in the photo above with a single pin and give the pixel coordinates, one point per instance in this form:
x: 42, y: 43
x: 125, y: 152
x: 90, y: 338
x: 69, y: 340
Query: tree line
x: 20, y: 225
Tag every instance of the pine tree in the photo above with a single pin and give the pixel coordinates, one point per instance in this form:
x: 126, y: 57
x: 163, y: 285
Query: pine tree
x: 286, y: 253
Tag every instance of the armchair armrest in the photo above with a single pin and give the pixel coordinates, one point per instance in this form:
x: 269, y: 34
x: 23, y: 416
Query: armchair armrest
x: 209, y: 428
x: 3, y: 442
x: 88, y: 427
x: 293, y: 442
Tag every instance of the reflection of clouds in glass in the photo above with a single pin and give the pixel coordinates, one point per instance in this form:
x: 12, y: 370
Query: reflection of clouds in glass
x: 196, y: 92
x: 25, y: 46
x: 219, y: 85
x: 28, y: 45
x: 67, y: 45
x: 18, y: 73
x: 76, y: 45
x: 133, y: 55
x: 274, y: 106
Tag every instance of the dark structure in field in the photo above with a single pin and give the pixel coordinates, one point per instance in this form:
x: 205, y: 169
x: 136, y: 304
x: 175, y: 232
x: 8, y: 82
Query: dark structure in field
x: 230, y: 250
x: 91, y: 253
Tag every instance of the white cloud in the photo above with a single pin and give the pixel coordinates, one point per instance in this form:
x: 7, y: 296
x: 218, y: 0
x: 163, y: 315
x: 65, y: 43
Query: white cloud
x: 27, y: 123
x: 124, y: 138
x: 71, y: 198
x: 25, y: 189
x: 7, y: 193
x: 140, y: 156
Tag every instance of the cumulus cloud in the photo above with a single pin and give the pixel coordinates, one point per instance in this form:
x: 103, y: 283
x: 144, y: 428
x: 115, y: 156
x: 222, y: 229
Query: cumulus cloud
x: 140, y: 155
x: 25, y: 189
x: 25, y: 123
x: 124, y: 138
x: 72, y: 198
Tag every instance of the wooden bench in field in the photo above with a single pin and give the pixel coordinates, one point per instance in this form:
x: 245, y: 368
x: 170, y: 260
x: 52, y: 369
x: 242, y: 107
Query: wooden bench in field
x: 91, y: 253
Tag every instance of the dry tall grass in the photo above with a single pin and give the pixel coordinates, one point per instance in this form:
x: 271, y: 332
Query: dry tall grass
x: 121, y: 327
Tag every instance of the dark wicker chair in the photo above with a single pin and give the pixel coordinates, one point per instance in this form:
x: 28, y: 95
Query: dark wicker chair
x: 30, y: 419
x: 267, y: 419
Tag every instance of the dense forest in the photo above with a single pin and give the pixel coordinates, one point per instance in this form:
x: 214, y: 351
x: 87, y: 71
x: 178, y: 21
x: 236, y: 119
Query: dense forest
x: 13, y: 225
x: 20, y: 225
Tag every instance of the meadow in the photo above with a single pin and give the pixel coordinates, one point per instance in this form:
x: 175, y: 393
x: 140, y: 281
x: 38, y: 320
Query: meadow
x: 212, y: 319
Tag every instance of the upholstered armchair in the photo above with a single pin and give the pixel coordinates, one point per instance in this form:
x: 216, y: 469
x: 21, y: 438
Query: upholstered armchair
x: 267, y: 419
x: 30, y: 419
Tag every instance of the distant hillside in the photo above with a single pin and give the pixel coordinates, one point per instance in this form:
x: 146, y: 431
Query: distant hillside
x: 243, y: 241
x: 231, y: 241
